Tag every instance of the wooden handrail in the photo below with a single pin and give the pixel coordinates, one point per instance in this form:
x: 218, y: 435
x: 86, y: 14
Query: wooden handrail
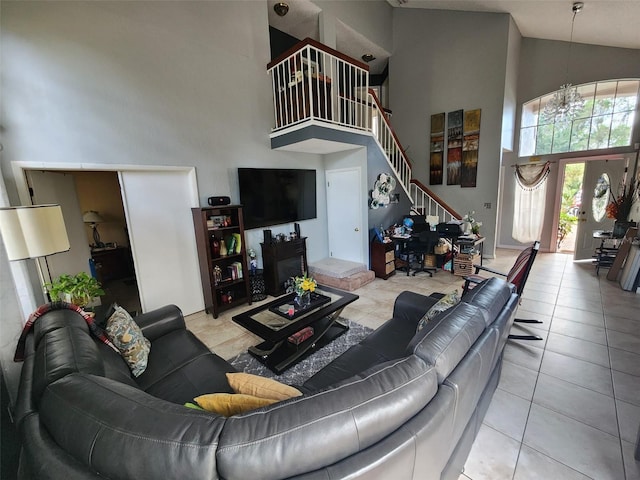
x: 319, y: 46
x: 363, y: 102
x: 442, y: 203
x: 386, y: 120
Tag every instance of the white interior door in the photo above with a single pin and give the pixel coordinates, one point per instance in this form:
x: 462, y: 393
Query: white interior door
x: 344, y: 214
x: 587, y: 223
x: 158, y: 209
x: 54, y: 187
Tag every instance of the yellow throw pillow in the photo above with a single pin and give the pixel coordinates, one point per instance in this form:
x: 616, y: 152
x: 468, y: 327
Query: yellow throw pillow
x: 228, y: 404
x: 261, y: 387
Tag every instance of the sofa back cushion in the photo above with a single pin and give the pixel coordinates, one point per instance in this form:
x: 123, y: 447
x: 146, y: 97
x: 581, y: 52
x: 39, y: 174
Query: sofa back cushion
x: 282, y: 440
x: 490, y: 296
x: 122, y: 432
x: 62, y: 345
x: 447, y: 338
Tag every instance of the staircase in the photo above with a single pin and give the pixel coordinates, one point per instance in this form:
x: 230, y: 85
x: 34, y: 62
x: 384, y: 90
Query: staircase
x: 314, y: 85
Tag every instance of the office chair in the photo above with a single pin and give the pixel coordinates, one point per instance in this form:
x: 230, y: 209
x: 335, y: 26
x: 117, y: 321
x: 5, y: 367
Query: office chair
x: 421, y: 244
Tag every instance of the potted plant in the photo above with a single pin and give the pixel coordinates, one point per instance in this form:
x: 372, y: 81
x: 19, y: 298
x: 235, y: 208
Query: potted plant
x: 79, y: 289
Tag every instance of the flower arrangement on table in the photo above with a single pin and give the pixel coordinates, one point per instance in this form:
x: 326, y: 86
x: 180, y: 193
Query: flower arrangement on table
x: 475, y: 226
x: 619, y: 208
x: 304, y: 285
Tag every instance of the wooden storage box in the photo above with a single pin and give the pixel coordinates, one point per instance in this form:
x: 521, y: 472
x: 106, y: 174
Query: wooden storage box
x: 441, y: 249
x: 430, y: 260
x: 463, y: 263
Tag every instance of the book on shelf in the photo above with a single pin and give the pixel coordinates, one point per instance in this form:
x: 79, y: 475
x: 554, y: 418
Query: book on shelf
x: 235, y: 271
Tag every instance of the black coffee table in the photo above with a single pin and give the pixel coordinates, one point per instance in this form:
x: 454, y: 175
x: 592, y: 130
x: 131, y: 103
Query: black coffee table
x: 268, y: 322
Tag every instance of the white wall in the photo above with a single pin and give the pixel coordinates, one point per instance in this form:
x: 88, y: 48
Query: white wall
x: 445, y: 61
x: 371, y: 18
x: 151, y: 83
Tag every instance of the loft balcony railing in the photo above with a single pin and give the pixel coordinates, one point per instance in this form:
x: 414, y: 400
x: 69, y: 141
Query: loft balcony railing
x: 312, y: 82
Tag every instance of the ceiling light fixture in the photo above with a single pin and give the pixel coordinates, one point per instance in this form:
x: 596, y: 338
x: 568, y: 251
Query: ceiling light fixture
x: 566, y: 102
x: 368, y: 57
x: 281, y: 8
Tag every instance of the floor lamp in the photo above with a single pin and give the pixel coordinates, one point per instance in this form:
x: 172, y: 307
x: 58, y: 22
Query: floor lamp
x: 34, y: 232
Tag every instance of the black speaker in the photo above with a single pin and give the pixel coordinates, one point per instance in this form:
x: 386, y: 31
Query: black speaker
x: 215, y: 201
x: 267, y: 237
x: 296, y: 227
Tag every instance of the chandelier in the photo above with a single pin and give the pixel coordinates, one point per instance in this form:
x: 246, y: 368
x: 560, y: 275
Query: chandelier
x: 566, y: 102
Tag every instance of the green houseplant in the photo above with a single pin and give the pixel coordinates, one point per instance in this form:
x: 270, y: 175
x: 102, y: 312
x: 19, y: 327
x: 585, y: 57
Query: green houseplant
x: 78, y: 289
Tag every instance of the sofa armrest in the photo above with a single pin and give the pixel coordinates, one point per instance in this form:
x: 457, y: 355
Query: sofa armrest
x: 159, y: 322
x: 411, y: 306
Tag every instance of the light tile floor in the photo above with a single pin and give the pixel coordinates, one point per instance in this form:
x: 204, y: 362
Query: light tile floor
x: 567, y: 407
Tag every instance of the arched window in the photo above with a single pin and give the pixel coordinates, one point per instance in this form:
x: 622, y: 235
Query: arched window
x: 605, y: 121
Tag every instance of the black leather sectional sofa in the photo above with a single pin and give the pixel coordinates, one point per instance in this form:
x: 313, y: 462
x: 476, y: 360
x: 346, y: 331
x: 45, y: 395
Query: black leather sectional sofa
x: 401, y: 404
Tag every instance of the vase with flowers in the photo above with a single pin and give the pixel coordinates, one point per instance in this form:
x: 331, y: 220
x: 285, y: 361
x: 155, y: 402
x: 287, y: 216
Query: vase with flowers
x: 470, y: 225
x: 620, y: 208
x: 303, y: 287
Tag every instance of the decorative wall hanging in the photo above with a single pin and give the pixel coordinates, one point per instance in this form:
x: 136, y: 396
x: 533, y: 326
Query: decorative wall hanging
x: 470, y: 142
x: 436, y: 153
x: 381, y: 193
x: 454, y: 147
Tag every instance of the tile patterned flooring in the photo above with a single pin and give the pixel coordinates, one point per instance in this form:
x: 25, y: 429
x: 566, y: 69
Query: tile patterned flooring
x: 567, y: 407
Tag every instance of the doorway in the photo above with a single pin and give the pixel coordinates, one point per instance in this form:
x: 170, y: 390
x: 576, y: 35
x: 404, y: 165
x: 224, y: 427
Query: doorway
x: 570, y: 206
x: 157, y: 203
x: 109, y: 260
x: 601, y: 181
x: 584, y: 190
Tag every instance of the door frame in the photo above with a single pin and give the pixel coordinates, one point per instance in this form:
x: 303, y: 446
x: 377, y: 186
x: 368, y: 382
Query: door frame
x: 19, y: 169
x: 562, y: 163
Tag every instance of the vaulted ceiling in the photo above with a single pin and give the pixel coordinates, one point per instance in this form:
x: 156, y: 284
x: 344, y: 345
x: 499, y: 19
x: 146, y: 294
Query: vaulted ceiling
x: 614, y: 23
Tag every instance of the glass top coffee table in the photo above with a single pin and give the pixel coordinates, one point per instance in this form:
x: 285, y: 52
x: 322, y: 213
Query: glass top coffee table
x: 280, y: 319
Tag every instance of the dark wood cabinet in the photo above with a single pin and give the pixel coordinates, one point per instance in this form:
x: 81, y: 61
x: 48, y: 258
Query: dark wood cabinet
x: 112, y: 263
x: 224, y: 274
x: 281, y: 261
x: 383, y: 258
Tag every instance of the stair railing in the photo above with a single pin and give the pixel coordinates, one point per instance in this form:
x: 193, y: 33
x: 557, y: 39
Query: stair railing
x: 427, y: 202
x: 389, y: 143
x: 311, y: 81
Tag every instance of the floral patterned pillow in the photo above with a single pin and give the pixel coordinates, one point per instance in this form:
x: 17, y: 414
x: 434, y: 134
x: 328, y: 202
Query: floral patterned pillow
x: 126, y: 335
x: 445, y: 303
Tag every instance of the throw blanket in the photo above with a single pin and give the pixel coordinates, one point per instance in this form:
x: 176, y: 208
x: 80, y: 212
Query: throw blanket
x: 95, y: 330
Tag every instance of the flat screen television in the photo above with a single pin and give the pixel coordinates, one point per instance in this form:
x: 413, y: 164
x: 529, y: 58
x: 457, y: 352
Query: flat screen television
x: 272, y: 196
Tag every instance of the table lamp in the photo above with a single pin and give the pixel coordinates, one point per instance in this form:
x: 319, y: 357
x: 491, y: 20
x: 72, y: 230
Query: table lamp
x: 93, y: 218
x: 33, y: 232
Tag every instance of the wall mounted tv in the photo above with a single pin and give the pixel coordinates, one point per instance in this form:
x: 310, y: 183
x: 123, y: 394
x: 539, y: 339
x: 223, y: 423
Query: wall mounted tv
x: 272, y: 196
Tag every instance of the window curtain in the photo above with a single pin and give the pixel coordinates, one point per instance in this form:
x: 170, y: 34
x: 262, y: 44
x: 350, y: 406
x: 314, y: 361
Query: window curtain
x: 529, y: 202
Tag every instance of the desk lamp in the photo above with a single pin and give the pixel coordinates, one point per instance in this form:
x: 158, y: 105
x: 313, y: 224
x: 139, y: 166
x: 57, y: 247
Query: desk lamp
x: 93, y: 218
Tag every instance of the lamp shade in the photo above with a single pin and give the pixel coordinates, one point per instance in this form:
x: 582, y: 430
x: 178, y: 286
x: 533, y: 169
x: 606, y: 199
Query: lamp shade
x: 92, y: 216
x: 33, y: 231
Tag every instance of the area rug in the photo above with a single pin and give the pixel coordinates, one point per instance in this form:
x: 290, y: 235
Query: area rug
x: 303, y: 370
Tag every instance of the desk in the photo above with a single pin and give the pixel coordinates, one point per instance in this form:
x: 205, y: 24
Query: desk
x: 462, y: 246
x: 467, y: 244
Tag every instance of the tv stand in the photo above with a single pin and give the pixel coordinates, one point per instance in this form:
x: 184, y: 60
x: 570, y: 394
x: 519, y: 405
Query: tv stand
x: 281, y: 261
